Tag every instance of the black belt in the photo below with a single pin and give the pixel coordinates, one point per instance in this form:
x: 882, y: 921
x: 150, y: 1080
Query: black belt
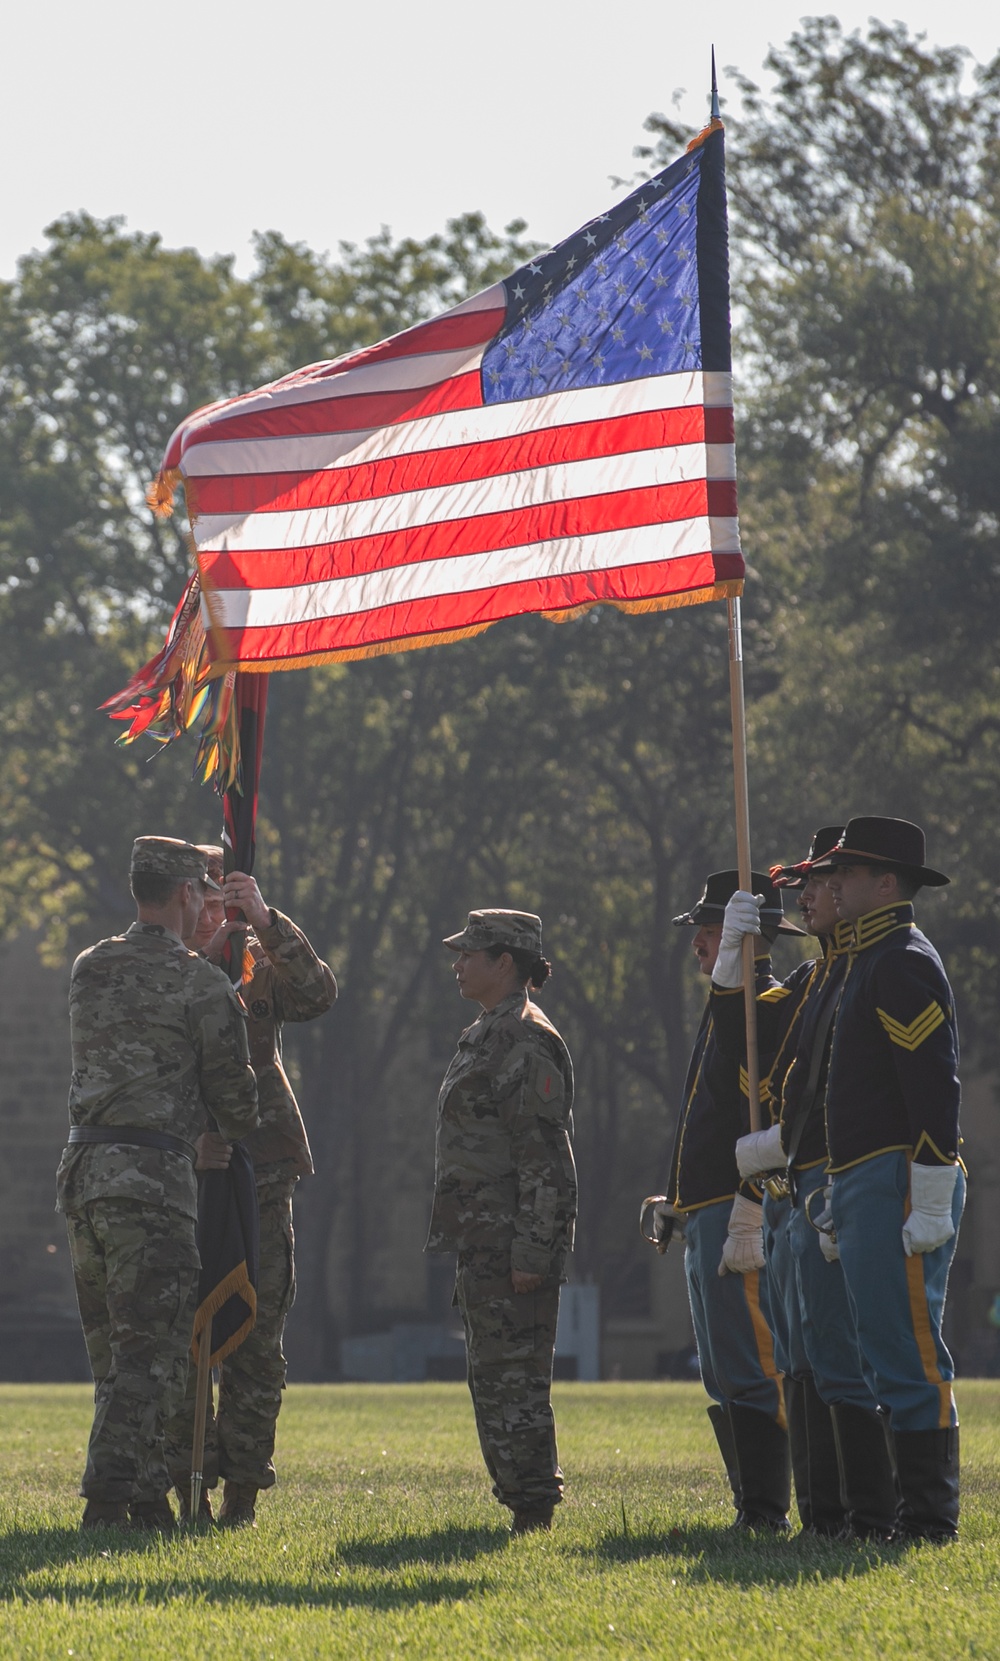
x: 131, y: 1136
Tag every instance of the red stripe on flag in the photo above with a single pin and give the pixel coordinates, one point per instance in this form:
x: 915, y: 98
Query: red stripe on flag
x: 444, y: 613
x: 441, y: 334
x: 250, y: 568
x: 454, y: 463
x: 720, y: 424
x: 355, y: 412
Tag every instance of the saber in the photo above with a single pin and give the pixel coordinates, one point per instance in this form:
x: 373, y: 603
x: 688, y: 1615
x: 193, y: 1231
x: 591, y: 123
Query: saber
x: 663, y: 1242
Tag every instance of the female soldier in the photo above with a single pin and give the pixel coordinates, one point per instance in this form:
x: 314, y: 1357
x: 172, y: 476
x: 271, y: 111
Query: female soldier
x: 505, y: 1200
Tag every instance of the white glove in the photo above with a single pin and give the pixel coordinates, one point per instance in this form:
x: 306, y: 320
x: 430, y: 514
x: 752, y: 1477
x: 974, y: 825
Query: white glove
x: 742, y: 916
x: 823, y: 1224
x: 929, y: 1225
x: 744, y: 1245
x: 760, y: 1151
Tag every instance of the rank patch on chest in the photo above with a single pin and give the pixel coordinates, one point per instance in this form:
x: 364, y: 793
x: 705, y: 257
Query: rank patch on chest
x: 260, y: 1008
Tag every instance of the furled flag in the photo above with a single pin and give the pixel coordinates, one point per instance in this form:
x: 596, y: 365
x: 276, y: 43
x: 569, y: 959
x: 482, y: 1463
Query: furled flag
x: 563, y: 439
x: 229, y: 1247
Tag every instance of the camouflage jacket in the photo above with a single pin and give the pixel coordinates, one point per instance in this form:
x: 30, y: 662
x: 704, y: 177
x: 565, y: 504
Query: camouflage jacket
x: 504, y: 1172
x: 289, y: 983
x: 159, y: 1042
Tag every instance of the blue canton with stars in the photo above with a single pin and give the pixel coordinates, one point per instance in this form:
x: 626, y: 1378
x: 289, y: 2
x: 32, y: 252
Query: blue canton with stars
x: 615, y: 302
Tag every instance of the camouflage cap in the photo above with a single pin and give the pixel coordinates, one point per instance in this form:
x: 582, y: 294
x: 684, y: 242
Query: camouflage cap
x: 517, y: 930
x: 165, y: 856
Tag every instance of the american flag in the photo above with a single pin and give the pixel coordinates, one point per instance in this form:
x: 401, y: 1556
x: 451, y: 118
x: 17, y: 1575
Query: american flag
x: 564, y: 438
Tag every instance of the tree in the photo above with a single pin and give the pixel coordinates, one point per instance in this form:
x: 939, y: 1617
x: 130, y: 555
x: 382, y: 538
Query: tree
x: 866, y: 233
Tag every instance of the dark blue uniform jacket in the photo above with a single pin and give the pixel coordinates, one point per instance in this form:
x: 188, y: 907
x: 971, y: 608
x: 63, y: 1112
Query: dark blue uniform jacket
x: 894, y: 1064
x: 715, y: 1113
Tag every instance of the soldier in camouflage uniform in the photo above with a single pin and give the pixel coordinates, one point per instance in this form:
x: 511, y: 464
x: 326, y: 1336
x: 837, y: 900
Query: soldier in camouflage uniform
x: 287, y: 982
x: 505, y: 1199
x: 159, y: 1042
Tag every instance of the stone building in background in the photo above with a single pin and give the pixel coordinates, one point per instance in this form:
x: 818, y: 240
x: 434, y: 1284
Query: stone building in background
x: 408, y: 1325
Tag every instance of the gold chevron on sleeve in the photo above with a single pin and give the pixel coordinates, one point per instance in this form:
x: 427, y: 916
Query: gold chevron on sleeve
x: 774, y: 994
x: 911, y: 1037
x: 745, y: 1085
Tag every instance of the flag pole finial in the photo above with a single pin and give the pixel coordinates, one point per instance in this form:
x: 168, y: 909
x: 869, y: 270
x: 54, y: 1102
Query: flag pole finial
x: 715, y: 91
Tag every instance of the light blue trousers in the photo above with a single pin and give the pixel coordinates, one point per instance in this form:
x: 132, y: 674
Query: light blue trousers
x: 898, y: 1301
x: 731, y: 1316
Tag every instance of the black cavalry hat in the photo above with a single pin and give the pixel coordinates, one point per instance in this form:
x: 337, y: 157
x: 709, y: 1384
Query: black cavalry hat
x: 892, y: 842
x: 796, y: 876
x: 722, y: 885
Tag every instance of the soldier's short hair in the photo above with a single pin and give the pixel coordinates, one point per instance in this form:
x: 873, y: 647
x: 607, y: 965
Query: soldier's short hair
x: 152, y: 888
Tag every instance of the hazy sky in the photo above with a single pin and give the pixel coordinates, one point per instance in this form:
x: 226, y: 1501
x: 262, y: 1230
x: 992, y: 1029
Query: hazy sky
x: 207, y: 119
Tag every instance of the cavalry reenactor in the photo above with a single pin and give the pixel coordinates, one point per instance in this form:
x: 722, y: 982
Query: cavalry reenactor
x: 898, y: 1190
x: 724, y: 1256
x: 840, y: 1458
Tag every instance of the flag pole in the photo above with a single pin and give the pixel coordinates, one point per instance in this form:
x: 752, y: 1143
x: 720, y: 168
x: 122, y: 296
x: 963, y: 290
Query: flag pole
x: 200, y: 1419
x: 743, y: 863
x: 742, y: 799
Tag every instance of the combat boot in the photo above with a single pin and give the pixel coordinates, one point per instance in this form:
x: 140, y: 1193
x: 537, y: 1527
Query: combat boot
x: 727, y: 1447
x: 536, y: 1520
x: 868, y: 1479
x: 927, y: 1468
x: 764, y: 1466
x: 153, y: 1516
x: 238, y: 1502
x: 105, y: 1514
x: 827, y: 1504
x: 205, y: 1512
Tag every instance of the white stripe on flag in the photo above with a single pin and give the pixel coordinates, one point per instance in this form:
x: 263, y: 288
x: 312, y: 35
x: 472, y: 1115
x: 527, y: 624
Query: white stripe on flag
x: 392, y: 375
x: 498, y: 493
x: 645, y: 545
x: 313, y: 452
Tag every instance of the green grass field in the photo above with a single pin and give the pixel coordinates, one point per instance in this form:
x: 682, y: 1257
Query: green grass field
x: 381, y: 1539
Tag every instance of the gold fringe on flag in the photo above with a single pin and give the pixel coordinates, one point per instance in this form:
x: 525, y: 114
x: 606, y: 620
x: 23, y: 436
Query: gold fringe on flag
x: 160, y: 495
x: 235, y: 1284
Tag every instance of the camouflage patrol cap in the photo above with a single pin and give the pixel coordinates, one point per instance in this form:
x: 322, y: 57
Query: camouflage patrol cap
x: 515, y: 930
x: 165, y: 856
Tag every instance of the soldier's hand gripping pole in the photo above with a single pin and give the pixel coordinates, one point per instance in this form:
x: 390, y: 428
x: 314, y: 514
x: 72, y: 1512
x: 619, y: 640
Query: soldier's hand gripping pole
x: 200, y: 1418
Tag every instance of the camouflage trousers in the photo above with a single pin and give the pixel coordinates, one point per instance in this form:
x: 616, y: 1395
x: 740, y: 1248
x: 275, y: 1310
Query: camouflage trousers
x: 136, y: 1270
x: 239, y: 1434
x: 510, y: 1339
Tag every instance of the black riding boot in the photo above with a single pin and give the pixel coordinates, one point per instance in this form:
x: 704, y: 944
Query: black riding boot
x: 866, y: 1471
x: 927, y: 1467
x: 829, y: 1515
x: 798, y: 1444
x: 764, y: 1466
x: 727, y: 1447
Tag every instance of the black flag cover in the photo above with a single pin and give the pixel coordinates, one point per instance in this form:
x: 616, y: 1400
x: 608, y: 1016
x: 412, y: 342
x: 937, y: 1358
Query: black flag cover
x: 229, y: 1244
x: 228, y: 1219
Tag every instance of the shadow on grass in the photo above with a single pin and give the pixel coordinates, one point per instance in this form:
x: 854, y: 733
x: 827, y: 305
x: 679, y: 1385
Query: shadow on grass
x: 31, y: 1552
x: 26, y: 1550
x: 719, y: 1555
x: 442, y: 1545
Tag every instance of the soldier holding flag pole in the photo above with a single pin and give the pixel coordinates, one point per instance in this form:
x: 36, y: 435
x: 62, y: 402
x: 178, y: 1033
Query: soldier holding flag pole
x: 284, y: 980
x: 724, y: 1256
x: 158, y: 1040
